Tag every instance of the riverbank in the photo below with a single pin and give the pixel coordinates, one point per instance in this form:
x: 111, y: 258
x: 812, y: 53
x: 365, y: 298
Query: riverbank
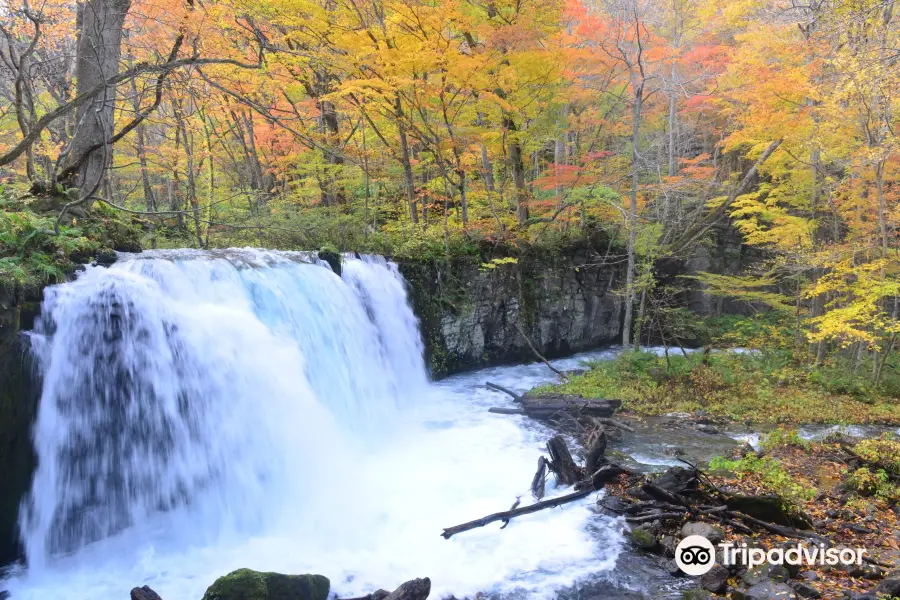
x: 839, y: 492
x: 754, y: 387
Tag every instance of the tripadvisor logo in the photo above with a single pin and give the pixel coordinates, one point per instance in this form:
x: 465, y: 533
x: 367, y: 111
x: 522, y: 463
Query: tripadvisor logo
x: 696, y: 555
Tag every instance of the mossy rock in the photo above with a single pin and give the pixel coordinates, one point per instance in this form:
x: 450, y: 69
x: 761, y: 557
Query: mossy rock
x: 643, y: 539
x: 332, y: 257
x: 247, y: 584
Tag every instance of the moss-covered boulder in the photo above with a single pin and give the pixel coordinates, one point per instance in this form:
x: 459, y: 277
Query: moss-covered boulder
x: 246, y: 584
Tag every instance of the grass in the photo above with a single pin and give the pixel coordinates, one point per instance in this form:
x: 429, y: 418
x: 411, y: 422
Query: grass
x: 760, y: 388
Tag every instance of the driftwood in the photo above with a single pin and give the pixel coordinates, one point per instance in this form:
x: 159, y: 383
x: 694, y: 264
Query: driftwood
x: 538, y: 354
x: 614, y: 423
x: 512, y: 514
x: 500, y: 388
x: 561, y: 462
x: 599, y: 477
x: 540, y: 479
x: 594, y: 455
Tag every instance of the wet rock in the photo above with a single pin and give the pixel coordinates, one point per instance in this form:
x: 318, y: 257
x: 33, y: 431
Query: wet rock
x: 643, y: 539
x: 144, y: 593
x: 888, y: 587
x: 810, y: 575
x: 767, y: 572
x: 715, y: 580
x: 676, y: 480
x: 865, y: 571
x: 246, y: 584
x: 858, y: 528
x: 669, y: 544
x: 672, y: 568
x: 804, y: 590
x: 696, y: 595
x: 105, y: 257
x: 707, y: 429
x: 613, y: 505
x: 415, y: 589
x: 711, y: 532
x: 333, y: 258
x: 768, y: 508
x: 770, y: 590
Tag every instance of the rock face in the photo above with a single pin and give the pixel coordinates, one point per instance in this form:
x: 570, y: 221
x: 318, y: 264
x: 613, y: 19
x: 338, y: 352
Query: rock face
x: 19, y: 394
x: 246, y: 584
x: 471, y: 314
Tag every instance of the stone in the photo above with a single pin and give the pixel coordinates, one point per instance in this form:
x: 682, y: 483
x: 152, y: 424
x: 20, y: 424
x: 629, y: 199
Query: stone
x: 333, y: 258
x: 711, y: 532
x: 770, y: 590
x: 669, y: 544
x: 888, y: 587
x: 810, y: 575
x: 715, y: 579
x: 707, y: 429
x: 106, y: 257
x: 766, y: 572
x: 865, y: 571
x: 246, y: 584
x: 696, y: 595
x: 415, y: 589
x: 643, y: 539
x: 804, y: 590
x: 144, y: 593
x: 672, y: 568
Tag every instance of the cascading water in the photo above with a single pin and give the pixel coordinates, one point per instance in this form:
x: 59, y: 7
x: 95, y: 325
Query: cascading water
x: 205, y: 411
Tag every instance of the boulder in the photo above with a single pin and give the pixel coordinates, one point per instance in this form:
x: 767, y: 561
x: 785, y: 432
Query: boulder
x: 776, y: 573
x: 804, y: 590
x: 144, y: 593
x: 888, y: 587
x: 715, y: 580
x: 246, y: 584
x: 770, y: 590
x: 677, y: 480
x: 415, y: 589
x: 711, y: 532
x: 768, y: 508
x: 643, y: 539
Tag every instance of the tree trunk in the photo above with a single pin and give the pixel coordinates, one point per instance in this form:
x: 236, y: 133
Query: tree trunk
x: 631, y: 216
x: 404, y: 158
x: 518, y: 171
x: 98, y: 46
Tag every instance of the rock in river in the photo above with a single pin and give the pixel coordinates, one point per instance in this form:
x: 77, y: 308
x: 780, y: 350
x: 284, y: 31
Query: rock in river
x: 246, y: 584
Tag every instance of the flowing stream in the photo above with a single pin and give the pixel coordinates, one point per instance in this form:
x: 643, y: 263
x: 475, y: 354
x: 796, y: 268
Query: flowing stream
x: 206, y: 411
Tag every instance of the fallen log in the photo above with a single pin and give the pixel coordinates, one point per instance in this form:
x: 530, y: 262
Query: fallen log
x: 599, y: 477
x: 500, y: 388
x: 614, y: 423
x: 497, y: 410
x: 512, y: 514
x: 561, y: 462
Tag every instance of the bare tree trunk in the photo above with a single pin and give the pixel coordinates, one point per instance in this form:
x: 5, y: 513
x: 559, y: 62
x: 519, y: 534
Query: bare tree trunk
x: 631, y: 216
x: 99, y: 45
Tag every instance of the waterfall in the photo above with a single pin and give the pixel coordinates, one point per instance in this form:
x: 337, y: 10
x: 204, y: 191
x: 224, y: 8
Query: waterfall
x: 185, y: 379
x: 204, y: 411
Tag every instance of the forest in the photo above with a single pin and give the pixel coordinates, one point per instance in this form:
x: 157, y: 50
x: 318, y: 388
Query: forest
x: 433, y: 128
